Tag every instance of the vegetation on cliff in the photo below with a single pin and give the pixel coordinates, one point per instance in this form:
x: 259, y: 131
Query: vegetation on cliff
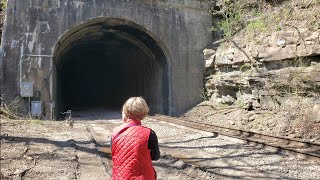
x: 254, y: 17
x: 266, y: 64
x: 264, y: 38
x: 3, y: 6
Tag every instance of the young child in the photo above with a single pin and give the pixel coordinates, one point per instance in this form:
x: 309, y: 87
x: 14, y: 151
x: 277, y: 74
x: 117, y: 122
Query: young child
x: 134, y: 146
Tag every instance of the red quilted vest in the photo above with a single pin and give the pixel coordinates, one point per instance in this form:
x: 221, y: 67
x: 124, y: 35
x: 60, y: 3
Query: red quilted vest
x: 130, y: 153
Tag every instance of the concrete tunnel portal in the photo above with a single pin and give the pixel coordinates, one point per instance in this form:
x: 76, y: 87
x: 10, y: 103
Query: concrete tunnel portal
x: 100, y: 64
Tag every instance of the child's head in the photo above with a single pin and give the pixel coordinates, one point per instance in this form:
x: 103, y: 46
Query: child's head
x: 135, y: 108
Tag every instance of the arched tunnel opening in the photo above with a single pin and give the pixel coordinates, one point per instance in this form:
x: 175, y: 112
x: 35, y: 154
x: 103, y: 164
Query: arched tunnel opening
x: 103, y: 64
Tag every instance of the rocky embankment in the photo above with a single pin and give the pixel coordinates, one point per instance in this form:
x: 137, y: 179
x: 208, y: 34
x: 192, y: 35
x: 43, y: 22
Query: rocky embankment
x: 275, y: 70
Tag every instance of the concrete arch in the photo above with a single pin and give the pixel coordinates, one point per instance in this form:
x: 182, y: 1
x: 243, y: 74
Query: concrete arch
x: 103, y: 61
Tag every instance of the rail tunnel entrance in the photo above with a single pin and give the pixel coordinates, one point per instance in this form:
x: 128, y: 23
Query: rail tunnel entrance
x: 102, y: 63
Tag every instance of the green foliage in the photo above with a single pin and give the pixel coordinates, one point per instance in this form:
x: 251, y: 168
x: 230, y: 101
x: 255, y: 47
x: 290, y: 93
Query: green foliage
x: 257, y: 25
x: 231, y: 20
x: 238, y: 15
x: 3, y: 5
x: 229, y: 25
x: 240, y: 103
x: 245, y: 67
x: 36, y: 121
x: 262, y: 16
x: 204, y: 94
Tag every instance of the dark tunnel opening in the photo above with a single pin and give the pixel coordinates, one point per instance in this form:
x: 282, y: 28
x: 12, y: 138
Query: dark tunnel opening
x: 101, y: 66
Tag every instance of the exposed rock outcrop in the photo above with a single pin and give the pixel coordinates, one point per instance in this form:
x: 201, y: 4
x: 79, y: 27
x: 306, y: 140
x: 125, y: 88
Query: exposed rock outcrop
x: 265, y: 70
x: 266, y: 63
x: 273, y: 68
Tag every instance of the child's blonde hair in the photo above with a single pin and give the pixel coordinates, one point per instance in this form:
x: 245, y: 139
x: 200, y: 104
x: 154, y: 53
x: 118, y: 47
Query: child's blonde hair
x: 135, y: 108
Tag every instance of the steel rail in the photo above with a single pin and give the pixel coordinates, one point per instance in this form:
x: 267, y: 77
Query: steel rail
x: 308, y: 149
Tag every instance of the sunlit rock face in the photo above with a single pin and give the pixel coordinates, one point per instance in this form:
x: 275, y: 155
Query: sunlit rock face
x: 274, y: 54
x: 286, y: 62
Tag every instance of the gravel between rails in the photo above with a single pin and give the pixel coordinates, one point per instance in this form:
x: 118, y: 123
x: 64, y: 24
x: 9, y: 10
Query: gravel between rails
x: 193, y: 154
x: 228, y: 158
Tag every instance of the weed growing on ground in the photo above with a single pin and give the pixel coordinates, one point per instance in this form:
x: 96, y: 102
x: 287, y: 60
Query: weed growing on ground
x: 36, y: 121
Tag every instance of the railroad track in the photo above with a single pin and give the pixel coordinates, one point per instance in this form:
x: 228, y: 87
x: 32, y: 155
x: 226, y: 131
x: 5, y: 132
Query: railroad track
x: 305, y: 149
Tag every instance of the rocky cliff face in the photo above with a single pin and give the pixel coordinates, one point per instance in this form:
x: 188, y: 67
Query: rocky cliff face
x: 3, y: 4
x: 271, y: 60
x: 266, y: 63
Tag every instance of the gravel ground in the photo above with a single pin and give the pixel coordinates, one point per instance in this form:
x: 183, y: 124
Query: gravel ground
x: 33, y: 149
x: 30, y: 150
x: 194, y: 154
x: 228, y: 158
